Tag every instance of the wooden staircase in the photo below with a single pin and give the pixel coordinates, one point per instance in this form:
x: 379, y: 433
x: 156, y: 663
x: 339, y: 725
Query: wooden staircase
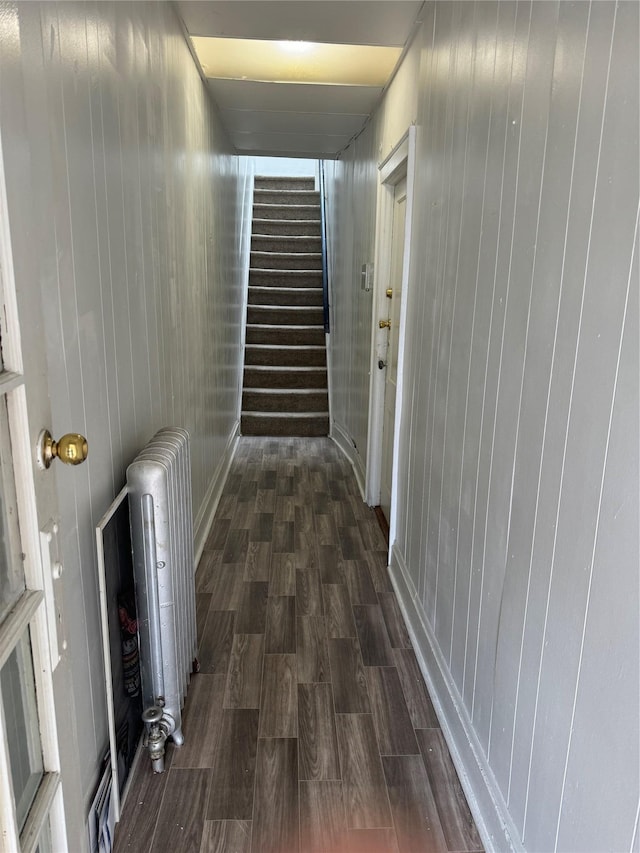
x: 285, y: 372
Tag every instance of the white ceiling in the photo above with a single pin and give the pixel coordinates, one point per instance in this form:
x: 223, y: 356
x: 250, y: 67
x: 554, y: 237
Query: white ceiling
x: 294, y: 119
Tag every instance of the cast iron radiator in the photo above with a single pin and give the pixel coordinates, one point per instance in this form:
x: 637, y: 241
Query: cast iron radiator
x: 160, y: 514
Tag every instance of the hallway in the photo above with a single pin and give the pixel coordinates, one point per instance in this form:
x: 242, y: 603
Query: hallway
x: 308, y: 726
x: 127, y: 169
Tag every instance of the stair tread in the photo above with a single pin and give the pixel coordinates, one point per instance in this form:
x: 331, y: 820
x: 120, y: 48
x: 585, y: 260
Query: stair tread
x: 279, y: 271
x: 283, y: 222
x: 260, y: 252
x: 290, y: 198
x: 284, y: 290
x: 300, y: 237
x: 289, y: 271
x: 284, y: 189
x: 272, y: 307
x: 284, y: 327
x: 257, y: 414
x: 272, y: 205
x: 301, y: 368
x: 254, y: 389
x: 288, y: 346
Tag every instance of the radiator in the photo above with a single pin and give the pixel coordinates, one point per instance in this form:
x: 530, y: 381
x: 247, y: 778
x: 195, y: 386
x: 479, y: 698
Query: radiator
x: 160, y: 514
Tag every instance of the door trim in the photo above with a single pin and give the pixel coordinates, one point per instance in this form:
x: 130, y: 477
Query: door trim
x: 398, y: 164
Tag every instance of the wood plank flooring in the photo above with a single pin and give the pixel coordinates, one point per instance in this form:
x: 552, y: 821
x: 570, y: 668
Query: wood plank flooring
x: 308, y: 728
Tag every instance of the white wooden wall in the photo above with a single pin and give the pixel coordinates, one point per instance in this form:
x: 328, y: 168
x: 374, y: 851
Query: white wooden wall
x: 133, y: 213
x: 350, y: 241
x: 517, y: 551
x: 351, y: 222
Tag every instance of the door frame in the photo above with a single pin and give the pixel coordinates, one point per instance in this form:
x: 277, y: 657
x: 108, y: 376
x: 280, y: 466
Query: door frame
x: 400, y: 163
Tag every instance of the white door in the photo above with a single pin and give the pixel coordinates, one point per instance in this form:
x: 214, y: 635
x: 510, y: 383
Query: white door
x: 31, y: 805
x: 394, y: 294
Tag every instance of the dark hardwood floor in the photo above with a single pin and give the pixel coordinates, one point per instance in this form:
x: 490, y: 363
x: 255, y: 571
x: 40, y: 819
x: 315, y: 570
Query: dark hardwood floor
x: 308, y: 727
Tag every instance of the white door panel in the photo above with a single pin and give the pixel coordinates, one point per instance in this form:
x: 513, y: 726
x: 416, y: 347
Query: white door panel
x: 391, y: 377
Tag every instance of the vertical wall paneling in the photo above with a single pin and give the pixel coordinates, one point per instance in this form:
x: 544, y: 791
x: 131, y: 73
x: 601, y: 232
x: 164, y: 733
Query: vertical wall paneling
x: 513, y: 340
x: 542, y: 315
x: 69, y: 405
x: 566, y: 325
x: 496, y: 67
x: 135, y: 206
x: 471, y: 234
x: 482, y: 585
x: 607, y: 682
x: 611, y: 236
x: 517, y: 546
x: 442, y: 506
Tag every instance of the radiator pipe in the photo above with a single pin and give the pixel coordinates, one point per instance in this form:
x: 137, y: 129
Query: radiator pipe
x: 158, y: 727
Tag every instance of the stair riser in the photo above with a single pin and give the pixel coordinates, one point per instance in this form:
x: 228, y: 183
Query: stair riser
x: 287, y: 227
x: 274, y: 261
x: 287, y: 336
x: 307, y: 296
x: 287, y: 401
x: 269, y: 243
x: 284, y: 378
x: 276, y: 316
x: 285, y: 426
x: 285, y: 278
x: 262, y: 182
x: 292, y: 198
x: 285, y: 357
x: 279, y: 211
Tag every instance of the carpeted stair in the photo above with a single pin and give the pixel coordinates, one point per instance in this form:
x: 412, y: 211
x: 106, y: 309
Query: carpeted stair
x: 285, y: 373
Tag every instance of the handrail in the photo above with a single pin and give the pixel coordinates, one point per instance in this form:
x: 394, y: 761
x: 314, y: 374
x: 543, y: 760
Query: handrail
x: 323, y: 237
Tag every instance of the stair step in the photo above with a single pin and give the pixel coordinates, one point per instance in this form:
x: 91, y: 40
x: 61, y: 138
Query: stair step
x: 287, y: 260
x: 308, y: 356
x: 292, y: 198
x: 285, y: 335
x: 287, y: 227
x: 259, y: 277
x: 256, y: 376
x: 277, y: 315
x: 285, y: 296
x: 284, y: 401
x: 267, y: 182
x: 285, y: 211
x: 286, y: 244
x: 302, y: 425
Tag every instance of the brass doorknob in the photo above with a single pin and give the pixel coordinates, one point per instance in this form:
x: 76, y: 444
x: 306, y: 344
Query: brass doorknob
x: 72, y: 449
x: 389, y: 292
x: 385, y: 324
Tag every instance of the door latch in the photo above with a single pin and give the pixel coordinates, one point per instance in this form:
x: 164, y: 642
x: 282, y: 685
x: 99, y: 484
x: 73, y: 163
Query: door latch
x: 381, y: 364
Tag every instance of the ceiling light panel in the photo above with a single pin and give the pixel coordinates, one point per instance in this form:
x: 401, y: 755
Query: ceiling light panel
x: 330, y: 21
x: 296, y: 62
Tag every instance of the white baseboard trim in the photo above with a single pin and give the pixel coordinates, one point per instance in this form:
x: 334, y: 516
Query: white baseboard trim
x: 204, y: 519
x: 345, y: 443
x: 496, y: 828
